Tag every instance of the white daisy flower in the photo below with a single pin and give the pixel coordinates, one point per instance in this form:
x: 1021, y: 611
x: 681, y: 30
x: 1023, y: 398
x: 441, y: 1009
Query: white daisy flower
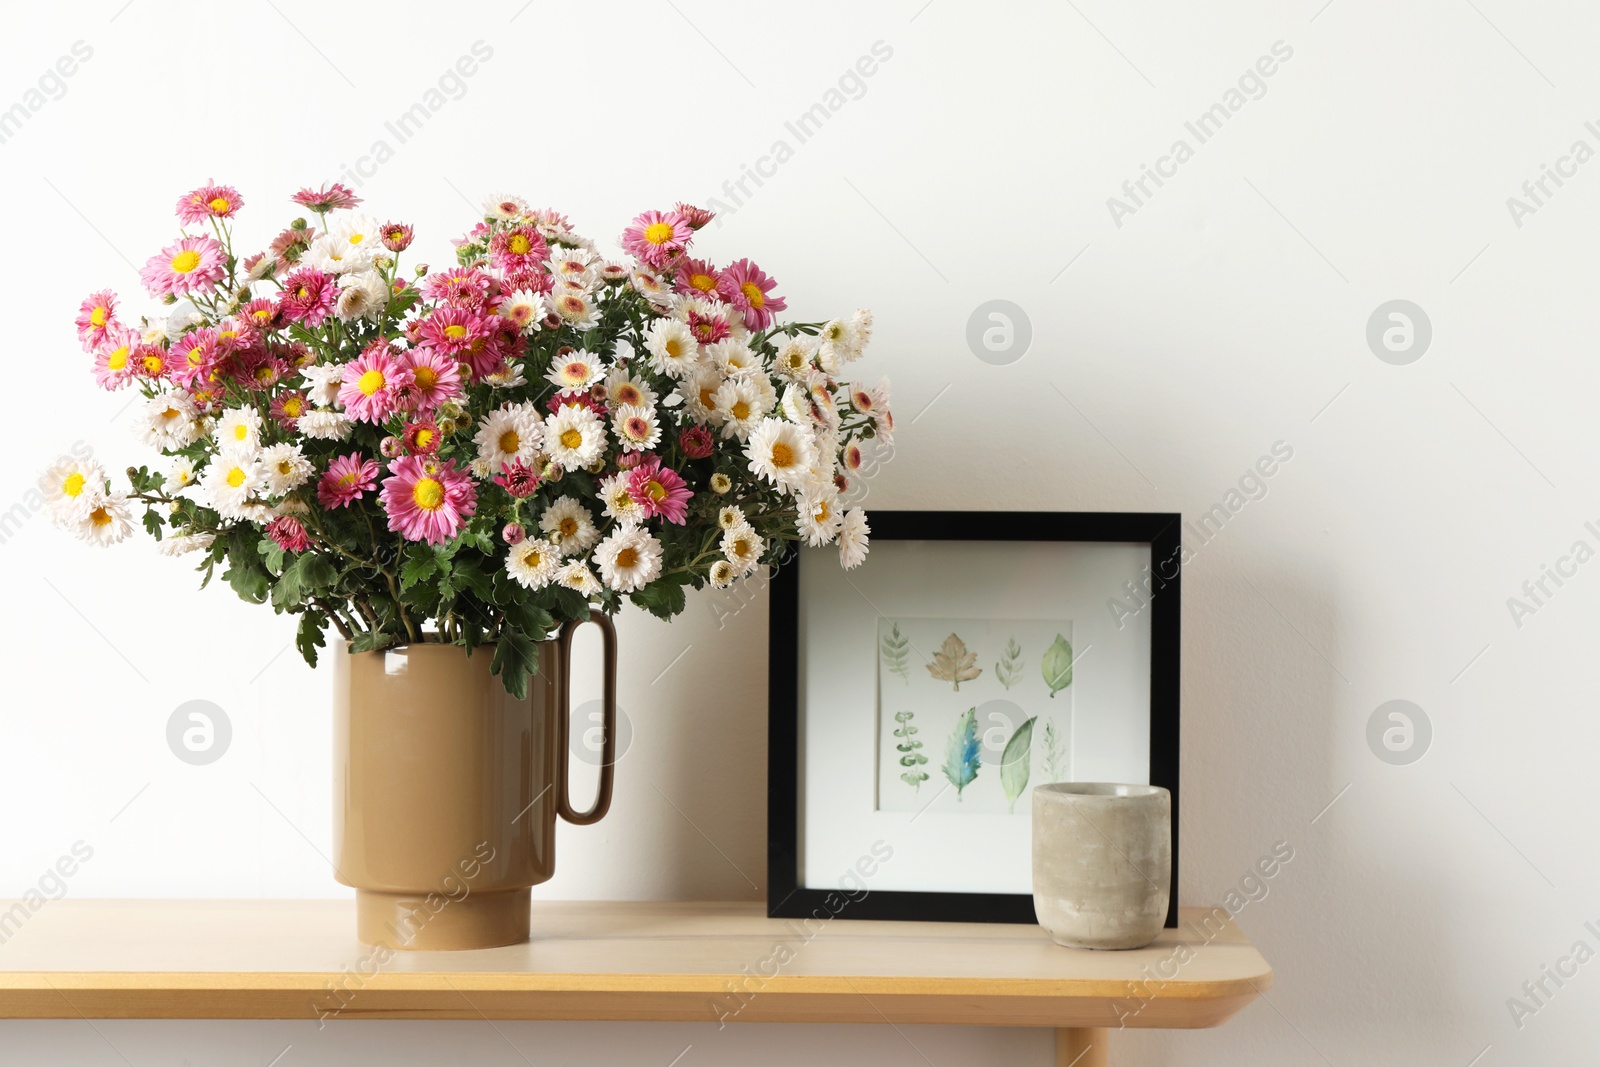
x: 180, y: 476
x: 722, y: 574
x: 650, y: 285
x: 824, y: 408
x: 837, y: 344
x: 734, y: 357
x: 781, y: 452
x: 699, y: 394
x: 322, y: 383
x: 818, y: 518
x: 853, y: 539
x: 331, y: 255
x: 325, y: 425
x: 509, y: 376
x: 362, y: 295
x: 573, y: 306
x: 729, y: 517
x: 793, y: 359
x: 743, y: 547
x: 574, y: 372
x: 170, y: 421
x: 629, y: 559
x: 574, y: 437
x: 569, y: 526
x: 622, y: 388
x: 636, y: 427
x: 285, y: 468
x: 526, y: 309
x: 104, y: 518
x: 239, y: 428
x: 361, y: 233
x: 618, y: 503
x: 575, y: 266
x: 509, y: 434
x: 672, y: 347
x: 227, y: 483
x: 739, y: 405
x: 184, y: 543
x: 861, y: 324
x: 576, y: 575
x: 70, y: 485
x: 533, y: 563
x: 505, y: 207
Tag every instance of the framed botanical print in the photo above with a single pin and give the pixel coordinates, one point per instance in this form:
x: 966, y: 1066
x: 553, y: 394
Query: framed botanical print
x: 915, y: 701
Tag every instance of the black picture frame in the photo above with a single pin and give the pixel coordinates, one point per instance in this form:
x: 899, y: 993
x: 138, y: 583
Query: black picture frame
x: 786, y: 896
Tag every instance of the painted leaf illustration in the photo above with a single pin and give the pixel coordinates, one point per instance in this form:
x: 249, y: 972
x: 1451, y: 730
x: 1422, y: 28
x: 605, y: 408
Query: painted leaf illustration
x: 1057, y: 665
x: 1009, y: 669
x: 1054, y: 750
x: 961, y: 757
x: 911, y: 758
x: 896, y: 646
x: 1015, y: 762
x: 953, y: 663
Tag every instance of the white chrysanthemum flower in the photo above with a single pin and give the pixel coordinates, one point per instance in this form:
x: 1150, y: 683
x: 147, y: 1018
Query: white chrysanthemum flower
x: 730, y: 516
x: 650, y: 286
x: 733, y: 358
x: 573, y: 306
x: 184, y: 543
x: 817, y: 516
x: 569, y: 526
x: 793, y: 359
x: 509, y: 434
x: 722, y: 574
x: 325, y: 425
x: 781, y: 452
x: 239, y: 428
x: 636, y: 427
x: 617, y: 502
x: 574, y: 436
x: 853, y: 539
x: 69, y: 486
x: 699, y: 393
x: 362, y: 295
x: 837, y: 345
x: 361, y: 233
x: 285, y: 468
x: 629, y: 559
x: 170, y: 421
x: 743, y: 547
x: 575, y: 266
x: 672, y: 347
x: 230, y: 479
x: 824, y: 408
x: 796, y: 404
x: 331, y: 255
x: 740, y: 406
x: 576, y: 575
x: 505, y: 207
x: 861, y: 324
x: 533, y: 563
x: 322, y: 383
x: 105, y: 518
x: 574, y: 372
x: 183, y: 315
x: 180, y: 476
x: 526, y: 309
x: 622, y: 388
x: 509, y: 376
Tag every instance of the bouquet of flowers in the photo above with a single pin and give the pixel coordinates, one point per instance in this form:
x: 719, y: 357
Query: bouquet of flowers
x: 475, y: 454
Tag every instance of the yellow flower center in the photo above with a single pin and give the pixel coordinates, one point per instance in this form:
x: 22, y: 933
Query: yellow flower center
x: 347, y: 478
x: 674, y: 347
x: 519, y: 244
x: 568, y: 527
x: 823, y: 511
x: 219, y: 204
x: 426, y: 377
x: 428, y: 494
x: 397, y: 235
x: 285, y: 468
x: 705, y: 397
x: 195, y: 357
x: 236, y: 477
x: 186, y: 261
x: 241, y: 432
x: 782, y: 455
x: 118, y: 359
x: 371, y: 382
x: 658, y: 233
x: 97, y: 317
x: 455, y: 331
x: 655, y: 491
x: 703, y: 282
x: 627, y: 558
x: 752, y: 292
x: 73, y: 485
x: 533, y: 558
x: 100, y: 517
x: 171, y: 413
x: 293, y: 406
x: 571, y: 438
x: 153, y: 364
x: 357, y: 238
x: 510, y: 442
x: 740, y: 410
x: 424, y: 437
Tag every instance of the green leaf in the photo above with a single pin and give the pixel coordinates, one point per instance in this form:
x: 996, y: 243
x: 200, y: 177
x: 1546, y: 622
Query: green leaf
x: 308, y: 636
x: 663, y: 599
x: 272, y: 554
x: 417, y: 568
x: 961, y: 752
x: 529, y: 618
x: 371, y: 642
x: 516, y: 659
x: 896, y: 647
x: 1015, y: 763
x: 1057, y: 665
x: 1009, y: 667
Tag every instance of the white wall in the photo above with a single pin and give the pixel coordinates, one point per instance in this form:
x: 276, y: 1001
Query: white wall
x: 1226, y: 314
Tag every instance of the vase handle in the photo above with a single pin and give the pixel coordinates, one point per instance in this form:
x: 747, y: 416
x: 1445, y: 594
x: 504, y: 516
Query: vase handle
x: 608, y: 752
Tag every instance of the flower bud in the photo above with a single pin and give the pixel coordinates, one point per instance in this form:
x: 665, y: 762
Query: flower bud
x: 513, y: 533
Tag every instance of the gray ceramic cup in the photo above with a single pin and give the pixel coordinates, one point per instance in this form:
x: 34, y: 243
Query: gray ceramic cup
x: 1102, y: 863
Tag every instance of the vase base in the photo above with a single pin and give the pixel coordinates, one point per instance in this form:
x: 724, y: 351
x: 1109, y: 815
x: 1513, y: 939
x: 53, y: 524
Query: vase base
x: 423, y: 922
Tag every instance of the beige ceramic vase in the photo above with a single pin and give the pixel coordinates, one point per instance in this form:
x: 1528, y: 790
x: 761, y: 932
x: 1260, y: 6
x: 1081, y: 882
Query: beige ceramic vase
x: 447, y: 788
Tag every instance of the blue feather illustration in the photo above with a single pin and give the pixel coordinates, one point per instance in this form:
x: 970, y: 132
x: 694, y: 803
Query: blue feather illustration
x: 961, y: 757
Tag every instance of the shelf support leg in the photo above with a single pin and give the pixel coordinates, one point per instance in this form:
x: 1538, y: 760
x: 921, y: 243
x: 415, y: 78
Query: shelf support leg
x: 1081, y: 1046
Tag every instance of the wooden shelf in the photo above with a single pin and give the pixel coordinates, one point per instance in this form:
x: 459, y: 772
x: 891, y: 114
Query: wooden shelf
x: 600, y: 960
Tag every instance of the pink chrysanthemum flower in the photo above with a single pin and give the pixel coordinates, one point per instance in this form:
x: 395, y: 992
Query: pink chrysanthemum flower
x: 333, y: 196
x: 396, y: 236
x: 262, y: 313
x: 708, y: 329
x: 696, y: 217
x: 113, y: 360
x: 422, y: 437
x: 287, y: 408
x: 193, y: 358
x: 655, y: 237
x: 289, y: 533
x: 696, y: 442
x: 374, y: 383
x: 463, y: 287
x: 346, y: 478
x: 452, y: 329
x: 210, y: 201
x: 427, y: 500
x: 697, y: 277
x: 183, y: 266
x: 659, y: 491
x: 255, y: 369
x: 518, y: 479
x: 152, y: 362
x: 435, y: 378
x: 308, y: 296
x: 95, y: 315
x: 747, y: 287
x: 519, y: 248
